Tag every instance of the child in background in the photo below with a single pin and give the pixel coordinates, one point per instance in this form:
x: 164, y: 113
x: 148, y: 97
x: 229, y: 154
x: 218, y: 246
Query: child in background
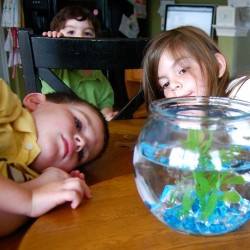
x: 39, y: 151
x: 90, y: 85
x: 186, y: 62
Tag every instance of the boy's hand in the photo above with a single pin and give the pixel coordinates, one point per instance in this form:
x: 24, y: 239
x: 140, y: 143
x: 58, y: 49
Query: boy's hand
x: 56, y: 193
x: 110, y: 115
x: 77, y: 173
x: 53, y: 34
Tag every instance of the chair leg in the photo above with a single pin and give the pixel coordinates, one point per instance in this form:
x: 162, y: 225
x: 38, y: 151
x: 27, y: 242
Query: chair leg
x: 128, y: 111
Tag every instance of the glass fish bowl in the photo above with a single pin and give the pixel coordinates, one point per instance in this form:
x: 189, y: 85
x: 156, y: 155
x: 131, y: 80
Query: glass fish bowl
x: 192, y: 164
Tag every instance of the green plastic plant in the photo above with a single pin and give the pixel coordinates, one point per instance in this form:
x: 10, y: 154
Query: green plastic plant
x: 209, y: 186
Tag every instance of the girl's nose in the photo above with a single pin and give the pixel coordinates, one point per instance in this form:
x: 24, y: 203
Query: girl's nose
x: 79, y: 35
x: 79, y: 142
x: 175, y: 85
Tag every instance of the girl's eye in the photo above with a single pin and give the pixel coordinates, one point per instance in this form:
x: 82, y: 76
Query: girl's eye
x: 78, y: 124
x: 70, y: 32
x: 165, y: 85
x: 183, y: 71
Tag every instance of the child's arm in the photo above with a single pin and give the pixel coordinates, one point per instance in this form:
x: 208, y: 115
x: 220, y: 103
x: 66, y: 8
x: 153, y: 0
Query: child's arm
x: 18, y: 203
x: 15, y: 198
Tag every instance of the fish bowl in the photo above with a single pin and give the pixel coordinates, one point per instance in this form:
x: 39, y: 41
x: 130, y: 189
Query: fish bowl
x: 192, y: 164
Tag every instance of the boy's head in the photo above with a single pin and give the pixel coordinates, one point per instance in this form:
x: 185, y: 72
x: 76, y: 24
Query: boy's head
x: 70, y: 131
x: 76, y: 21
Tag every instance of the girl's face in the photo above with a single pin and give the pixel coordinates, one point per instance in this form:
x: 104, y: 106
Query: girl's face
x: 74, y: 28
x: 182, y: 77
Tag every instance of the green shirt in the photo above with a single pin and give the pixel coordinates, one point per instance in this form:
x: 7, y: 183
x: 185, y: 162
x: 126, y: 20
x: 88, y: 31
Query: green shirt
x: 94, y: 88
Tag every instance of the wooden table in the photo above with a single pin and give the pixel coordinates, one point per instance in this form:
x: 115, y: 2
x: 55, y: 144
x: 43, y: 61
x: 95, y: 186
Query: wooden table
x: 116, y: 218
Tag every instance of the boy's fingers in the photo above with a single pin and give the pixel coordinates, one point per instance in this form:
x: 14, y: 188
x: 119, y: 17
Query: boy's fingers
x: 78, y: 185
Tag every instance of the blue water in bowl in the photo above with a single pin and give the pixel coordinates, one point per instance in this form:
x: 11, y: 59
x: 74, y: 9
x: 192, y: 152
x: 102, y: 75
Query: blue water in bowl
x: 226, y: 217
x: 155, y: 180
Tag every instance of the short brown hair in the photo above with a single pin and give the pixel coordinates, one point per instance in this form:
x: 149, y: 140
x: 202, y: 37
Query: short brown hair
x: 76, y: 12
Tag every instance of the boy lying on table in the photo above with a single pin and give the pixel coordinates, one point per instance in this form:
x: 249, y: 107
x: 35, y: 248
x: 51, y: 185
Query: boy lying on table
x: 40, y: 145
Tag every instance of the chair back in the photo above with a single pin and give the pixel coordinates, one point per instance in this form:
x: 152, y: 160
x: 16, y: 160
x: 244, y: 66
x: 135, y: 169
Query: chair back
x: 41, y: 54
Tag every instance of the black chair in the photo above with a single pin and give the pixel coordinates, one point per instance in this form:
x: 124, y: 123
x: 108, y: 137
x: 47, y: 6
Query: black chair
x: 41, y: 54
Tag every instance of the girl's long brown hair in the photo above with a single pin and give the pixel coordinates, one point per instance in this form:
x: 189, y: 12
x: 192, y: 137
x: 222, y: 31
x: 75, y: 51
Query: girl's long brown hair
x: 180, y: 42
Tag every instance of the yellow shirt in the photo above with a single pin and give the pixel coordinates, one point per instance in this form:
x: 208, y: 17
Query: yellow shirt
x: 18, y: 147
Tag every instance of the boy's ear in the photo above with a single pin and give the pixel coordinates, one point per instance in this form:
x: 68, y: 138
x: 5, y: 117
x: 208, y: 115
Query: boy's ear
x: 33, y: 100
x: 222, y: 64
